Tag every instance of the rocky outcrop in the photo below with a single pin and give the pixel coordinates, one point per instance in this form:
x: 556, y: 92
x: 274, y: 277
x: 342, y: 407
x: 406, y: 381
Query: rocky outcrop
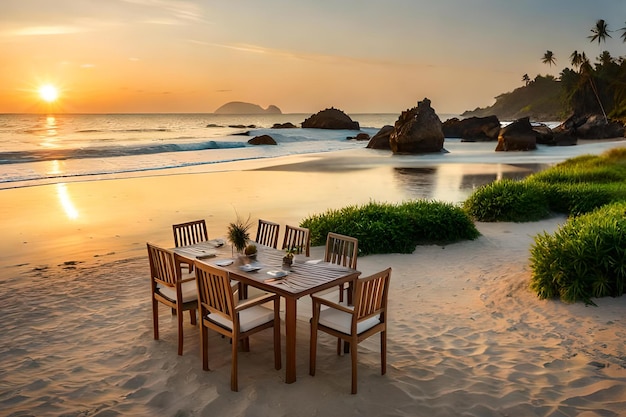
x: 262, y: 140
x: 517, y: 136
x: 472, y: 129
x: 330, y: 119
x: 417, y: 130
x: 239, y: 107
x: 381, y: 139
x: 286, y: 125
x: 359, y: 136
x: 591, y: 126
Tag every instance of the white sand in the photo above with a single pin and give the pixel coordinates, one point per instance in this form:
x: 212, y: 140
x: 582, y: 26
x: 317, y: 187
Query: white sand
x: 466, y: 337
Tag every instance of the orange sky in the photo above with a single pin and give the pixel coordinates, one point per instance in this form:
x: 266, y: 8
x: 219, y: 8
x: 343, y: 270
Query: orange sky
x: 359, y: 56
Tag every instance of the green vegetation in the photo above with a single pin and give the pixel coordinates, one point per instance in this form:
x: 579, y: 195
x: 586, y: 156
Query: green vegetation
x: 585, y: 258
x: 576, y: 186
x: 584, y: 88
x: 393, y: 228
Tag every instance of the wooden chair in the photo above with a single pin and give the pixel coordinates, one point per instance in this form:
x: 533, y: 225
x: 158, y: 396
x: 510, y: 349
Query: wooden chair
x: 341, y: 250
x: 355, y: 323
x: 298, y: 238
x: 190, y: 233
x: 267, y: 233
x: 169, y: 288
x: 219, y: 312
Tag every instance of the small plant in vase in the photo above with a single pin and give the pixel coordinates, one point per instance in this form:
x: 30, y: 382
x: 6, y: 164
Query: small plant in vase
x: 289, y: 254
x: 250, y: 251
x: 239, y: 233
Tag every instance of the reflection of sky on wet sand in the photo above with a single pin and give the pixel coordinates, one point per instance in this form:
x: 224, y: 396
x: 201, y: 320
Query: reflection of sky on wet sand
x: 455, y: 182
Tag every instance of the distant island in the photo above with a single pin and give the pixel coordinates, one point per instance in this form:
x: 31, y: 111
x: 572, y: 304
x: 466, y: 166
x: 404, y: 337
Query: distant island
x: 239, y: 107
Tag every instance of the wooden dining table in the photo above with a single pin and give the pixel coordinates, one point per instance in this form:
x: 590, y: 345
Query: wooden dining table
x: 304, y: 277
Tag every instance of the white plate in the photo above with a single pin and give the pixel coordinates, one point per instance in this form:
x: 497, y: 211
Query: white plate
x: 249, y: 267
x: 224, y: 262
x: 278, y: 273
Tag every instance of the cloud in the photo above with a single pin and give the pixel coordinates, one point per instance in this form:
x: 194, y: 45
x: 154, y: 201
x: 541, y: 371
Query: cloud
x: 46, y: 30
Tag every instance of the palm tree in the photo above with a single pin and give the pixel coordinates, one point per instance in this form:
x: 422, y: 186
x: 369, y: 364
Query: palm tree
x: 576, y: 59
x: 600, y: 31
x: 548, y: 58
x: 623, y: 36
x: 526, y: 79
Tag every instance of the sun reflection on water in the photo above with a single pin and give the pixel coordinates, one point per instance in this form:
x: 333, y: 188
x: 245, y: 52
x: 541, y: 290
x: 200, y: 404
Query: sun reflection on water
x: 66, y: 201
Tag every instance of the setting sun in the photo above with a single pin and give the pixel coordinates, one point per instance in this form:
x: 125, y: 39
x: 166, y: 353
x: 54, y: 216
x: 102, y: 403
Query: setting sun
x: 48, y: 93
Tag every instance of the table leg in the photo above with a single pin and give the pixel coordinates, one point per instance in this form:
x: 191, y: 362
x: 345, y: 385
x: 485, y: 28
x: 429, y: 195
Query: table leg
x: 290, y: 336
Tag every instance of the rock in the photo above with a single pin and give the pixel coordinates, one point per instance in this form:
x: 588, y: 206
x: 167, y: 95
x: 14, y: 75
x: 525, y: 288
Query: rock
x: 417, y: 130
x: 360, y: 136
x: 330, y: 119
x: 239, y: 107
x: 517, y: 136
x: 474, y: 129
x: 544, y: 134
x: 591, y: 126
x: 262, y: 140
x: 287, y: 125
x: 381, y: 139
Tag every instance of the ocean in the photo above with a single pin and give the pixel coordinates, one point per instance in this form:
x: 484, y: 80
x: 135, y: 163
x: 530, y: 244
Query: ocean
x: 44, y: 149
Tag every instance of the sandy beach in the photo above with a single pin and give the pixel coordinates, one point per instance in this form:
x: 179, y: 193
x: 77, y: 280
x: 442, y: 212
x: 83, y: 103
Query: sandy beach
x: 466, y: 336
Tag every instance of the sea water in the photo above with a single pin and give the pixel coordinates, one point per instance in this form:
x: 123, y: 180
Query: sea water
x: 43, y: 149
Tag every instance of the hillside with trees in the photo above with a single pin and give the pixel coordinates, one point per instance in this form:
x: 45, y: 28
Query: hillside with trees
x: 585, y: 88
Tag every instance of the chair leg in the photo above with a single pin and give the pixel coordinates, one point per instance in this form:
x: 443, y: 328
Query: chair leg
x: 179, y: 318
x: 340, y: 293
x: 155, y: 318
x: 338, y: 346
x: 192, y: 316
x: 233, y: 370
x: 383, y: 352
x: 354, y: 363
x: 204, y: 345
x: 313, y: 349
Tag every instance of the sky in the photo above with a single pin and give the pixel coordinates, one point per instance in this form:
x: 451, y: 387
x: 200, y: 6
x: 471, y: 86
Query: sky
x: 360, y: 56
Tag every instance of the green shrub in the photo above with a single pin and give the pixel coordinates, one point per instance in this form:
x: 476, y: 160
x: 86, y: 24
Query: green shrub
x: 581, y: 198
x: 585, y: 258
x: 508, y: 200
x: 393, y: 228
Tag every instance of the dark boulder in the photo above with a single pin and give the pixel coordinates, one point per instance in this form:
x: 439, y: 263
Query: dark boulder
x: 381, y: 139
x: 286, y: 125
x: 472, y: 129
x: 591, y: 126
x: 359, y: 136
x: 262, y: 140
x: 417, y: 130
x: 517, y: 136
x: 330, y: 119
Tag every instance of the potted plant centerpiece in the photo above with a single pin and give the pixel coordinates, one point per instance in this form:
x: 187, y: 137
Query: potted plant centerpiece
x: 289, y: 254
x: 250, y: 251
x: 239, y: 233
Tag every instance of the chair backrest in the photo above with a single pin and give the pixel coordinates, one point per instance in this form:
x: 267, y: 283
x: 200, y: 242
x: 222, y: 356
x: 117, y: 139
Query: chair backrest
x: 341, y: 250
x: 370, y: 296
x: 215, y: 295
x: 190, y: 233
x: 163, y: 268
x: 267, y: 233
x: 298, y: 238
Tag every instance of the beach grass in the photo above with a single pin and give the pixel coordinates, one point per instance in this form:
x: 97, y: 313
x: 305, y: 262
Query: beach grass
x: 394, y: 228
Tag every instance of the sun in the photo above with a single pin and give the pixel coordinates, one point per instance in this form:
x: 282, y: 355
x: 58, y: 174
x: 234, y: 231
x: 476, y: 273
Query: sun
x: 48, y: 93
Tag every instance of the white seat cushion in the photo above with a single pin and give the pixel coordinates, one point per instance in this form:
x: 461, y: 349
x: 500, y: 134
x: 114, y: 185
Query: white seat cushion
x: 189, y: 290
x: 342, y: 321
x: 248, y: 318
